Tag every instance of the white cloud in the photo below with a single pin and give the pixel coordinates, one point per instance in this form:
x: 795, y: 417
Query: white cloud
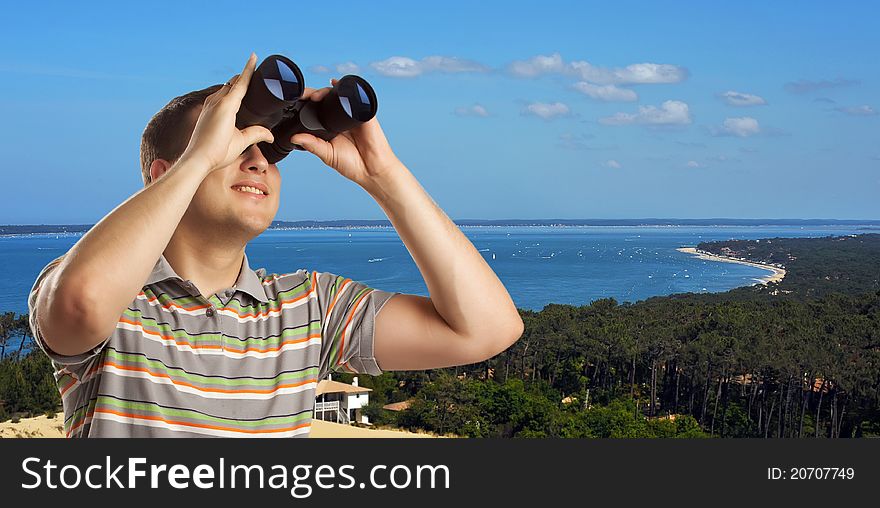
x: 475, y: 110
x: 451, y: 64
x: 863, y: 110
x: 405, y: 67
x: 669, y: 113
x: 642, y: 73
x: 538, y: 65
x: 742, y: 99
x: 547, y: 111
x: 341, y: 68
x: 607, y: 93
x: 613, y: 164
x: 347, y: 68
x: 694, y: 164
x: 398, y: 67
x: 639, y: 73
x: 742, y: 127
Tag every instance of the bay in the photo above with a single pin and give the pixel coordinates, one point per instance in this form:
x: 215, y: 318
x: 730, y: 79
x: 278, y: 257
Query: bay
x: 538, y: 265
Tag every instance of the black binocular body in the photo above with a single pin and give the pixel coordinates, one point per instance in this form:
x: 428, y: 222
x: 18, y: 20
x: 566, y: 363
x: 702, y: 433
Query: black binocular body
x: 274, y: 100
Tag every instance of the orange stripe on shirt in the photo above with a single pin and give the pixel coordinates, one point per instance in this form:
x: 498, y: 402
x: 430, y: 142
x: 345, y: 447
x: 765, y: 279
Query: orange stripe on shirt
x: 347, y: 323
x: 201, y: 425
x: 202, y: 389
x: 270, y: 311
x: 169, y: 338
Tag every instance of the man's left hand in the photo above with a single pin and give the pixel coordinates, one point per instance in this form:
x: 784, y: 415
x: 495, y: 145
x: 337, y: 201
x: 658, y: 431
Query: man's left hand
x: 361, y: 154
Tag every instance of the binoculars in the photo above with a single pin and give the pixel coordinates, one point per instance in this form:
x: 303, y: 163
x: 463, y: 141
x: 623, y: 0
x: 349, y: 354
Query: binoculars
x: 274, y: 100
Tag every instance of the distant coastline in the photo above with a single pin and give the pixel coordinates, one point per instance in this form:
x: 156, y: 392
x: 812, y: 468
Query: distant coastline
x: 868, y: 225
x: 776, y: 275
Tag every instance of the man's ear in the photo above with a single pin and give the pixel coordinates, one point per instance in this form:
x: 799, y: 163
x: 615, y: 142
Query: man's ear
x: 158, y: 168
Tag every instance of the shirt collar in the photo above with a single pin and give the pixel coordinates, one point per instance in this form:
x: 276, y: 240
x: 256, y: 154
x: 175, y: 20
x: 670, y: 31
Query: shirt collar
x: 251, y: 282
x: 248, y: 281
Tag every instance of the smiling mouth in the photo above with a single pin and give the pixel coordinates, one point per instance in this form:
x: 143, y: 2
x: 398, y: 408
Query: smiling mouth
x: 245, y: 189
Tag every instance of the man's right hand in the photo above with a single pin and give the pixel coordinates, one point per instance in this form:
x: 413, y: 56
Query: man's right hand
x: 215, y: 141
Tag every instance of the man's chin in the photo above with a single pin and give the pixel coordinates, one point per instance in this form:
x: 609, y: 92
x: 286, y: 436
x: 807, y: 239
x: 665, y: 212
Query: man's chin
x: 256, y: 226
x: 244, y: 226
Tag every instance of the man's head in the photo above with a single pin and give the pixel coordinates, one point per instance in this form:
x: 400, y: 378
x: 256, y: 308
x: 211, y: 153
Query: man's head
x: 220, y: 202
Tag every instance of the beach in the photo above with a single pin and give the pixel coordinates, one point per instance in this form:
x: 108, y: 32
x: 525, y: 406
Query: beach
x: 43, y: 426
x: 776, y: 275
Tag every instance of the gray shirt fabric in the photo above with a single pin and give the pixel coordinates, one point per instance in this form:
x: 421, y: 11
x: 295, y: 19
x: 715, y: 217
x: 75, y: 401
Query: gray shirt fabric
x: 243, y: 362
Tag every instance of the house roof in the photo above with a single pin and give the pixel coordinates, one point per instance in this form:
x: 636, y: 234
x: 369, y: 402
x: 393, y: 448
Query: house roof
x: 398, y: 406
x: 327, y: 386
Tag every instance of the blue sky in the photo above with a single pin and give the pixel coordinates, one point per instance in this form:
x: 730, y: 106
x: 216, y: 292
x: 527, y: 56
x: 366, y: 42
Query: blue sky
x: 530, y: 110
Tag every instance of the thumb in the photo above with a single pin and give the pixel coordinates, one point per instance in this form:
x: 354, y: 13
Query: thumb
x: 256, y: 133
x: 315, y: 145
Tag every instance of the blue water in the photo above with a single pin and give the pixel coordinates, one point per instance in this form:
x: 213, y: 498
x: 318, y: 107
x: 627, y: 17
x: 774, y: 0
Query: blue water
x: 538, y: 265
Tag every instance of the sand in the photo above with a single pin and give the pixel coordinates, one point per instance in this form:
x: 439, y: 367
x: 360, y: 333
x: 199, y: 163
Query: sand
x: 776, y: 273
x: 327, y: 429
x: 41, y: 426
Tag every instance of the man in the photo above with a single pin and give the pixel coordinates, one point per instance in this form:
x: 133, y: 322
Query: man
x: 157, y: 326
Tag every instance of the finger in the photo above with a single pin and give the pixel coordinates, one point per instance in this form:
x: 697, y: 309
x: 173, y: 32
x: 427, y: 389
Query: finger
x: 218, y: 93
x: 223, y: 91
x: 216, y: 96
x: 324, y: 91
x: 319, y: 94
x: 227, y: 86
x: 256, y: 133
x: 243, y: 79
x: 314, y: 145
x: 307, y: 91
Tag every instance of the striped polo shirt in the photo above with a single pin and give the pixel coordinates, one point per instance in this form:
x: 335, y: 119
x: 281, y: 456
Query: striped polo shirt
x: 243, y: 362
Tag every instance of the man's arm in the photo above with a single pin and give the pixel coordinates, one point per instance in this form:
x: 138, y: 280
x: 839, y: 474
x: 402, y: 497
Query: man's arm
x: 469, y: 316
x: 81, y: 300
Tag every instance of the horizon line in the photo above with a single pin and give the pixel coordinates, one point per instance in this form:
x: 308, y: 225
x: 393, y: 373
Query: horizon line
x: 544, y: 220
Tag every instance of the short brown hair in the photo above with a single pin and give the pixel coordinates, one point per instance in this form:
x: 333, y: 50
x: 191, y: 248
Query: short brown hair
x: 167, y: 134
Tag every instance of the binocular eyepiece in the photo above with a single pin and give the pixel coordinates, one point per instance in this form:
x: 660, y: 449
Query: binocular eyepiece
x: 274, y: 100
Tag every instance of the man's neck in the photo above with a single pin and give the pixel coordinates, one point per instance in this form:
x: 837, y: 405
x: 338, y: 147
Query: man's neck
x: 210, y: 266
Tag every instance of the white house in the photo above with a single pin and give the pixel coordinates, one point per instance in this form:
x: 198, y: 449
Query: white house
x: 340, y: 402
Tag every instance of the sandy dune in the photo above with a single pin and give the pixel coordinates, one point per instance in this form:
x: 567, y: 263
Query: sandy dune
x: 41, y: 426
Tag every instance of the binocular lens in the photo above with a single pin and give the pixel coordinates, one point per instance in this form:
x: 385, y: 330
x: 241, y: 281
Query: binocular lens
x: 357, y: 98
x: 282, y: 81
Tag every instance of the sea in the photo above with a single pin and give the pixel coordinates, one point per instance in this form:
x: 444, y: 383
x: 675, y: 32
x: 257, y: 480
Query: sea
x: 537, y: 264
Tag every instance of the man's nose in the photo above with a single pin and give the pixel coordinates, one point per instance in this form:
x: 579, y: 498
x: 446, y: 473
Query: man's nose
x: 254, y: 160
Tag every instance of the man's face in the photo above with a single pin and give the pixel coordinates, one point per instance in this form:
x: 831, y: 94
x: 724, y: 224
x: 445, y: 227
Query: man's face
x: 241, y: 198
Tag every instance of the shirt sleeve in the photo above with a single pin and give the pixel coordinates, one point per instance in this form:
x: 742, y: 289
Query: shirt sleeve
x: 348, y: 317
x: 33, y: 310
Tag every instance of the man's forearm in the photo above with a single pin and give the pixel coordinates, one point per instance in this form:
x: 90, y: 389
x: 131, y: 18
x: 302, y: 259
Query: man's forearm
x: 463, y: 288
x: 108, y: 266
